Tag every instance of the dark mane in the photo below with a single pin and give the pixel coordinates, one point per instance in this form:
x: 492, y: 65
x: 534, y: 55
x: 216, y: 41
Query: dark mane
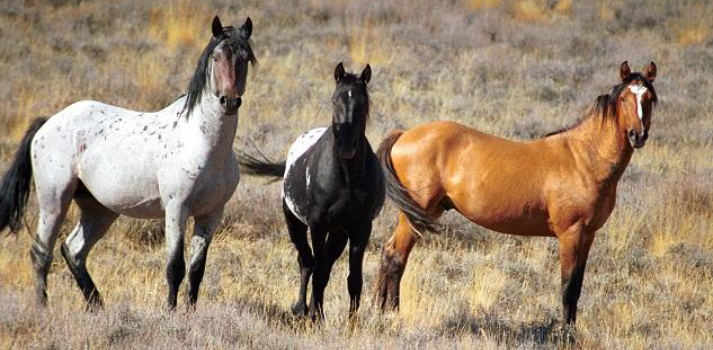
x: 240, y: 44
x: 354, y: 80
x: 605, y: 105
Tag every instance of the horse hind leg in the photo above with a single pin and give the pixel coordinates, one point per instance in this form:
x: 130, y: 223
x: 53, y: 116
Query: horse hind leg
x: 95, y: 220
x: 53, y: 201
x: 393, y: 264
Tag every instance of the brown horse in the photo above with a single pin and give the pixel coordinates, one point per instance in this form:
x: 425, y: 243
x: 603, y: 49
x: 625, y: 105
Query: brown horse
x: 562, y: 185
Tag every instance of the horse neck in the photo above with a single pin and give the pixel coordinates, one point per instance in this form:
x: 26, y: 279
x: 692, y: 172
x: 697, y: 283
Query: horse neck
x: 349, y: 169
x: 214, y: 129
x: 601, y: 147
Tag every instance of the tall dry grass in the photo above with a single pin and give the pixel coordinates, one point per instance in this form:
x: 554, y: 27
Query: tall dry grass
x: 514, y: 68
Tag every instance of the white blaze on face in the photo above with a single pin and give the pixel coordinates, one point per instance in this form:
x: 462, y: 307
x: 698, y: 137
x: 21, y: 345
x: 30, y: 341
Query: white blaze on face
x: 349, y: 93
x: 638, y: 91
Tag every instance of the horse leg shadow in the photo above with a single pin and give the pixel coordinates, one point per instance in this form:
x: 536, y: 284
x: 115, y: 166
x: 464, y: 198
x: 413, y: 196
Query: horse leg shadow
x: 549, y: 331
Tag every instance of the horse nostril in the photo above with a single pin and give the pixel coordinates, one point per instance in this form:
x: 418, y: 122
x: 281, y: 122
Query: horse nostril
x: 223, y: 100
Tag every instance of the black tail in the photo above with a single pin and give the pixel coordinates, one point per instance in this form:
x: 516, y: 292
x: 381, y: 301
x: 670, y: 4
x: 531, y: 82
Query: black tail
x: 253, y: 166
x: 15, y: 185
x: 419, y: 217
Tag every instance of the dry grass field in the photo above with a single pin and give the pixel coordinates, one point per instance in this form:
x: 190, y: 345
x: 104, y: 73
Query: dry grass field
x: 514, y: 68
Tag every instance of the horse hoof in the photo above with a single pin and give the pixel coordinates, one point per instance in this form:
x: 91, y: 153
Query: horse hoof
x: 300, y: 309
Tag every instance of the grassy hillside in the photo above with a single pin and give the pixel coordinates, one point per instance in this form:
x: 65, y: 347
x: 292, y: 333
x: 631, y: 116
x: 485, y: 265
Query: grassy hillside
x: 514, y: 68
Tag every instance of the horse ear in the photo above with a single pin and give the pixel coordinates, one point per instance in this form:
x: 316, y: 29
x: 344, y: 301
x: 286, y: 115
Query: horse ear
x: 625, y: 71
x: 248, y: 27
x: 366, y: 74
x: 339, y: 72
x: 217, y: 27
x: 651, y: 72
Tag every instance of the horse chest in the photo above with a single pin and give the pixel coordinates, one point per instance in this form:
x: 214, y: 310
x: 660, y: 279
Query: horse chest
x: 316, y: 197
x: 205, y: 183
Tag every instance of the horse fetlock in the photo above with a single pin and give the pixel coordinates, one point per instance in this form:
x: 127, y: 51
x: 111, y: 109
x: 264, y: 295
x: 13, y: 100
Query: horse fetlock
x: 94, y: 302
x: 300, y: 309
x: 389, y: 280
x: 175, y: 272
x: 41, y: 259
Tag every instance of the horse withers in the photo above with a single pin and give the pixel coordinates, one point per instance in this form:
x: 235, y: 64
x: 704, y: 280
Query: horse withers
x: 333, y: 185
x: 562, y: 185
x: 172, y: 164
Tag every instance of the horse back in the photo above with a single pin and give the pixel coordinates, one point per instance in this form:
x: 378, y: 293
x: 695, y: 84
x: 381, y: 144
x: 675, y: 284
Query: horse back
x: 507, y: 186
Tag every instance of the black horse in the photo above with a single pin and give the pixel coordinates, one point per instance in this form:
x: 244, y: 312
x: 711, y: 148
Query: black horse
x: 334, y: 185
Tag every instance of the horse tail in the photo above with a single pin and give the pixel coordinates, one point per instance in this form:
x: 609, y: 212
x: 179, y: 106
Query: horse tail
x: 15, y: 184
x: 257, y: 167
x: 420, y: 219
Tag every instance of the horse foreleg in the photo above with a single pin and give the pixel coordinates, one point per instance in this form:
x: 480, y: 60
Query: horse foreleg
x: 393, y: 264
x: 298, y: 235
x: 93, y: 224
x: 176, y: 215
x: 202, y: 236
x: 358, y: 241
x: 322, y: 268
x: 574, y: 245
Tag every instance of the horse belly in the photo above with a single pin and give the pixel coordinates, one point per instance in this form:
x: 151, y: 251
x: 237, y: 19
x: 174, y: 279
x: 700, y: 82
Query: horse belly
x: 125, y: 183
x: 504, y: 214
x: 519, y: 226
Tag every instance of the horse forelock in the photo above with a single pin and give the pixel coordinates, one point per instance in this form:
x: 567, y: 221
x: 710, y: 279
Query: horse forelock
x: 239, y: 43
x: 605, y: 105
x: 348, y: 84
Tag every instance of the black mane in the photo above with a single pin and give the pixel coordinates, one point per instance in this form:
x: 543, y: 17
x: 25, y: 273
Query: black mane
x: 240, y: 44
x: 605, y: 105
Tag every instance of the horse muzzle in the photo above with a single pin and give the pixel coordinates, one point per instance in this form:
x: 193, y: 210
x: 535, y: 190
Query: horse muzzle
x: 638, y: 140
x: 230, y: 105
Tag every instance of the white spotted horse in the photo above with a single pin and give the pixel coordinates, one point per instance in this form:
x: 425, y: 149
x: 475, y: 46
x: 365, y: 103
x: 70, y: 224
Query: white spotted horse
x: 173, y: 164
x: 333, y: 185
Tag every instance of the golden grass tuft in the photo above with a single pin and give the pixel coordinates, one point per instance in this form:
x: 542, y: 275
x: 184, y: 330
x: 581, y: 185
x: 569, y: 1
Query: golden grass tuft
x: 182, y: 24
x: 485, y: 288
x: 534, y: 11
x: 693, y: 34
x: 563, y: 7
x: 473, y: 5
x: 26, y: 101
x: 364, y: 43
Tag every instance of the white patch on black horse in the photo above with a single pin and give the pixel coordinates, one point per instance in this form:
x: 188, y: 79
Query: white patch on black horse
x: 333, y: 185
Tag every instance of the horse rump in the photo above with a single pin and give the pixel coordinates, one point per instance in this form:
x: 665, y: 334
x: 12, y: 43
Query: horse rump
x: 15, y: 184
x: 420, y: 219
